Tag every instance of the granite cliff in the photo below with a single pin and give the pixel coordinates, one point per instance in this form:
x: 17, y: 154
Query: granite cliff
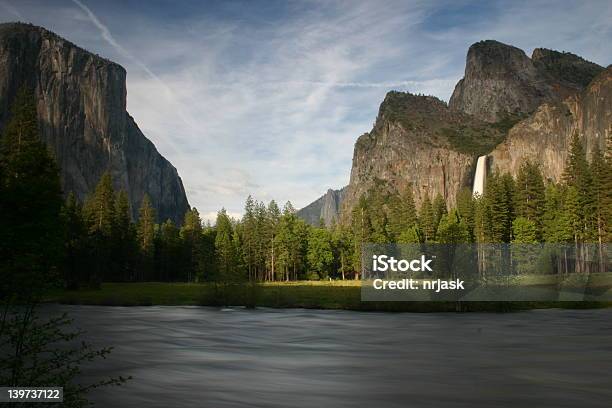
x: 418, y: 142
x: 501, y: 81
x: 326, y: 208
x: 508, y: 106
x: 81, y: 103
x: 545, y: 136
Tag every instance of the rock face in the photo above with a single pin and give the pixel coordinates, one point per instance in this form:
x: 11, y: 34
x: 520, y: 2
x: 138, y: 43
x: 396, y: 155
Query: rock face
x: 81, y: 103
x: 508, y: 106
x: 418, y: 142
x: 501, y: 81
x: 545, y: 136
x: 326, y: 208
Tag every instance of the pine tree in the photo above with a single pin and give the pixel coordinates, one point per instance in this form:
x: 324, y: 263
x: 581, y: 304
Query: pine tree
x: 524, y: 231
x: 169, y: 258
x: 482, y: 221
x: 606, y: 198
x: 378, y: 216
x: 225, y: 249
x: 452, y: 229
x: 600, y: 176
x: 362, y: 232
x: 261, y: 243
x: 529, y: 195
x: 498, y: 198
x: 320, y: 254
x: 439, y: 209
x: 123, y: 238
x: 342, y: 240
x: 99, y: 208
x: 191, y: 235
x: 31, y: 201
x: 466, y: 209
x: 412, y: 235
x: 272, y: 220
x: 427, y: 220
x: 145, y: 232
x: 249, y: 237
x: 402, y: 214
x: 556, y: 228
x: 578, y: 175
x: 75, y: 243
x: 525, y: 234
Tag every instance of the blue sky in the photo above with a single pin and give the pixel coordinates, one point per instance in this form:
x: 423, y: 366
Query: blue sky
x: 268, y: 97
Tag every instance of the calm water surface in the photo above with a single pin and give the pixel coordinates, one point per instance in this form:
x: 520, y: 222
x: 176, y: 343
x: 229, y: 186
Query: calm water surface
x: 206, y: 357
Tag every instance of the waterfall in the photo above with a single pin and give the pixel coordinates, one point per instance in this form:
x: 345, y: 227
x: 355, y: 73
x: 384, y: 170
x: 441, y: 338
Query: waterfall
x: 480, y: 176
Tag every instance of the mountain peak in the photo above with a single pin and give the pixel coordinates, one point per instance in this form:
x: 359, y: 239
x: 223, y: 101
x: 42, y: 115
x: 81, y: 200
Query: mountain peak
x: 501, y: 80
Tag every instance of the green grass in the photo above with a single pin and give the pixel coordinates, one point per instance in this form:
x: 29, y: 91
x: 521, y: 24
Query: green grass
x: 313, y: 295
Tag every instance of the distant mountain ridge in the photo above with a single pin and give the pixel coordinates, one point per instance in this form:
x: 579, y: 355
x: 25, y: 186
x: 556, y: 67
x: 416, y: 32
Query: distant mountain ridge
x: 325, y: 208
x: 81, y: 104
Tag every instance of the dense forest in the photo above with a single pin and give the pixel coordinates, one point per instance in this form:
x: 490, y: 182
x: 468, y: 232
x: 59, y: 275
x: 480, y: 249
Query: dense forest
x: 95, y: 241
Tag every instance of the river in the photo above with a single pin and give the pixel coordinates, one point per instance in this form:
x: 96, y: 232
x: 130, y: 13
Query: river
x: 217, y: 358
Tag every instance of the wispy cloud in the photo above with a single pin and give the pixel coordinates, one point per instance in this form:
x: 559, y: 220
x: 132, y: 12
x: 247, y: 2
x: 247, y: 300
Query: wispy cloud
x: 12, y: 10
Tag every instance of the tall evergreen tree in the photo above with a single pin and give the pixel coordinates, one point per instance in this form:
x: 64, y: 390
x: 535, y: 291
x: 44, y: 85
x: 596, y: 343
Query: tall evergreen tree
x: 402, y: 214
x: 362, y: 232
x: 99, y: 208
x: 169, y: 255
x: 31, y: 201
x: 272, y: 221
x: 498, y: 199
x: 123, y: 238
x: 529, y: 195
x: 249, y: 237
x: 452, y: 229
x: 578, y: 175
x: 342, y: 240
x: 439, y: 209
x: 320, y: 254
x: 555, y: 224
x: 225, y: 249
x: 191, y: 235
x: 145, y: 232
x: 427, y: 220
x: 75, y: 243
x: 600, y: 176
x: 466, y: 209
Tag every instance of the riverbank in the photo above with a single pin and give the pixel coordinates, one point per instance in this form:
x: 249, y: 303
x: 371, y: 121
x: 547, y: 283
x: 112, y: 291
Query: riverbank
x: 344, y: 295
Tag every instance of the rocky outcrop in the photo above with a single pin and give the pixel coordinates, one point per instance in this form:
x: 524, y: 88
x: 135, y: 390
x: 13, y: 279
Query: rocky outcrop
x: 326, y: 208
x: 501, y: 81
x: 81, y: 103
x: 545, y: 136
x: 418, y: 142
x: 508, y: 106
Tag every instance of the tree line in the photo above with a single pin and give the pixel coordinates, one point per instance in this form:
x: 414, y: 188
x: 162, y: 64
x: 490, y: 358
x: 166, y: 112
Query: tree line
x: 97, y: 240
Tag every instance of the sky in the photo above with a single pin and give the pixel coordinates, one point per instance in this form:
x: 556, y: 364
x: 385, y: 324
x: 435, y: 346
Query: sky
x: 268, y: 97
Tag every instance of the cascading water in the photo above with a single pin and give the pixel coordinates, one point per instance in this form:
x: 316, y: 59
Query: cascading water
x: 480, y: 176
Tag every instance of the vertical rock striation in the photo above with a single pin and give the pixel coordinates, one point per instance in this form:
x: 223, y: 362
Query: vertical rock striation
x: 326, y: 208
x: 545, y: 136
x: 418, y: 142
x: 81, y: 103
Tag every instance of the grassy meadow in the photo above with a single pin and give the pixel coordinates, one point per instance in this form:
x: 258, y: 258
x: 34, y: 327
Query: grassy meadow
x: 301, y: 294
